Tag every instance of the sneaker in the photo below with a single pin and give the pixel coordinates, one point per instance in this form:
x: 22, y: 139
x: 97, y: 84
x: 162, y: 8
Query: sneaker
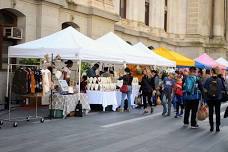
x: 176, y: 116
x: 128, y: 110
x: 195, y: 127
x: 217, y: 129
x: 180, y: 115
x: 120, y: 110
x: 212, y: 129
x: 163, y: 114
x: 186, y: 125
x: 151, y: 110
x: 145, y: 111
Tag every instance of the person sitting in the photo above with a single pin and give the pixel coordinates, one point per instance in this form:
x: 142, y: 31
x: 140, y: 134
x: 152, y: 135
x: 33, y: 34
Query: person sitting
x: 106, y: 73
x: 92, y: 71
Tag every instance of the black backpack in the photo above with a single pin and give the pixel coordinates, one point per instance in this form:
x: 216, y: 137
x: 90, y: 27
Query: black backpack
x: 213, y: 88
x: 78, y: 110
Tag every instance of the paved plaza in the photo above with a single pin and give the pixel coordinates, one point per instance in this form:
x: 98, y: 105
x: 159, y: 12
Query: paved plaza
x: 114, y: 132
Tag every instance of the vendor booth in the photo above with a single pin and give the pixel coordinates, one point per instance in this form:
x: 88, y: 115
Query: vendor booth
x: 180, y: 60
x: 68, y: 44
x: 132, y: 55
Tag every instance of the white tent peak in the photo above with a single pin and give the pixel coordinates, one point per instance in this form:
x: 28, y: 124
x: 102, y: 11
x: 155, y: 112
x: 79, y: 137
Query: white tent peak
x: 222, y: 61
x: 161, y: 60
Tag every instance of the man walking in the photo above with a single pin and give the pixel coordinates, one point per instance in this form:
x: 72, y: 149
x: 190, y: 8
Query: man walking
x: 192, y: 95
x: 214, y: 89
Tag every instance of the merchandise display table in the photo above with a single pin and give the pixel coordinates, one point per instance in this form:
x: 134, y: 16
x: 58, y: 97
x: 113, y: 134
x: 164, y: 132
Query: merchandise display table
x: 135, y: 93
x: 104, y: 98
x: 67, y: 103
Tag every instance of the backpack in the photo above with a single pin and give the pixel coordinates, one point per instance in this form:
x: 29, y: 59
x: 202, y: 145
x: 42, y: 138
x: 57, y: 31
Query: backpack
x: 191, y: 91
x: 213, y: 88
x: 190, y: 85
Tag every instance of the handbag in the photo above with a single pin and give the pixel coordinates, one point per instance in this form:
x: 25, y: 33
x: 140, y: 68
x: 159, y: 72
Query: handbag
x: 226, y: 113
x: 138, y: 100
x: 124, y: 89
x: 224, y: 97
x: 202, y: 112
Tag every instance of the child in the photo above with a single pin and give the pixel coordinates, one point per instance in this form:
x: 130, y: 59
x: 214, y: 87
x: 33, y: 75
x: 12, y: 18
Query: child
x: 179, y: 97
x: 168, y: 83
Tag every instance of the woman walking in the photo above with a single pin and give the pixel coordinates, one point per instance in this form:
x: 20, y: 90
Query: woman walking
x: 126, y: 89
x: 147, y: 89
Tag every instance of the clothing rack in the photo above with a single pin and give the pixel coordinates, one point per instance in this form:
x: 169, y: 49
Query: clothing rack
x: 9, y: 95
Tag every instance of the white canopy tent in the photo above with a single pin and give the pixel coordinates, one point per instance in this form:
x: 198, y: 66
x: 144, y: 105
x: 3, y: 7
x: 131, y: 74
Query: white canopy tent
x: 222, y: 61
x: 69, y: 44
x: 158, y: 59
x: 131, y: 55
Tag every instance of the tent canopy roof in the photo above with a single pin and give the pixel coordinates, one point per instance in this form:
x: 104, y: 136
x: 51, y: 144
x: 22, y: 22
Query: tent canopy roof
x: 131, y: 54
x: 222, y: 61
x: 159, y: 59
x: 68, y: 43
x: 174, y: 56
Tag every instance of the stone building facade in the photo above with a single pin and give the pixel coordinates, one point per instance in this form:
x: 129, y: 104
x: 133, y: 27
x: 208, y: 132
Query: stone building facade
x: 187, y: 26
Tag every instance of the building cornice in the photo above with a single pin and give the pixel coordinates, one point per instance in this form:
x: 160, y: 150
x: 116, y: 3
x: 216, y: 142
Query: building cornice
x: 88, y: 10
x: 180, y: 40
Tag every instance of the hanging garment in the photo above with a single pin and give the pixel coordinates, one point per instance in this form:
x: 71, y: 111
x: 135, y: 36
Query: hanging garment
x: 38, y: 81
x: 46, y: 79
x: 20, y: 81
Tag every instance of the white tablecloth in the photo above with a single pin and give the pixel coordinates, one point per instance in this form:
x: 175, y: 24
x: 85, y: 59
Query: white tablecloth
x: 68, y: 103
x: 104, y: 98
x: 135, y: 93
x: 113, y: 98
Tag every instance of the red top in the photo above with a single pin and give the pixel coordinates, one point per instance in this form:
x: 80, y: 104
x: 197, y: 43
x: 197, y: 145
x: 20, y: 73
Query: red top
x: 178, y: 88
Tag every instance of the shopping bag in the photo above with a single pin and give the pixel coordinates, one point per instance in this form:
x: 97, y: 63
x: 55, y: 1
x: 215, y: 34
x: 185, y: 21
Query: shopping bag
x: 226, y: 113
x: 202, y: 112
x: 158, y: 101
x: 138, y: 100
x: 124, y: 89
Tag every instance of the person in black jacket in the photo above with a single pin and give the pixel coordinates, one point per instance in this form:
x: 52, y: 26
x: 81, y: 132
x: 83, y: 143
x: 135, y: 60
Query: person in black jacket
x: 214, y: 89
x: 147, y: 89
x: 127, y: 80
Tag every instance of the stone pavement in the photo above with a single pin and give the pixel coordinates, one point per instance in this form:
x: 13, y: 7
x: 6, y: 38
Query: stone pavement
x: 114, y: 132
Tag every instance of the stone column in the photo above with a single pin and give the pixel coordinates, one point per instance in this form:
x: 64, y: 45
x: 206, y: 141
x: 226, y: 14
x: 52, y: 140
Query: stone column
x: 157, y: 13
x: 219, y: 18
x: 136, y: 10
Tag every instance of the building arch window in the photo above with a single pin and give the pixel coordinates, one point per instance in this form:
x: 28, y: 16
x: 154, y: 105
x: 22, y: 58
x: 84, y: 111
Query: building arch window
x: 147, y: 12
x: 12, y: 25
x: 123, y: 9
x: 72, y: 24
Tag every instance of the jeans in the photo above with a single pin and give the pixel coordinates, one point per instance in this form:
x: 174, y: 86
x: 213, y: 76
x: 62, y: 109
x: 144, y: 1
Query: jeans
x: 191, y: 106
x: 217, y: 106
x: 166, y: 99
x: 147, y: 97
x: 128, y: 94
x: 179, y: 104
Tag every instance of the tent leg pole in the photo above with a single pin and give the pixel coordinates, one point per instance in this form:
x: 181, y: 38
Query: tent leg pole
x: 79, y: 79
x: 51, y: 98
x: 7, y: 86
